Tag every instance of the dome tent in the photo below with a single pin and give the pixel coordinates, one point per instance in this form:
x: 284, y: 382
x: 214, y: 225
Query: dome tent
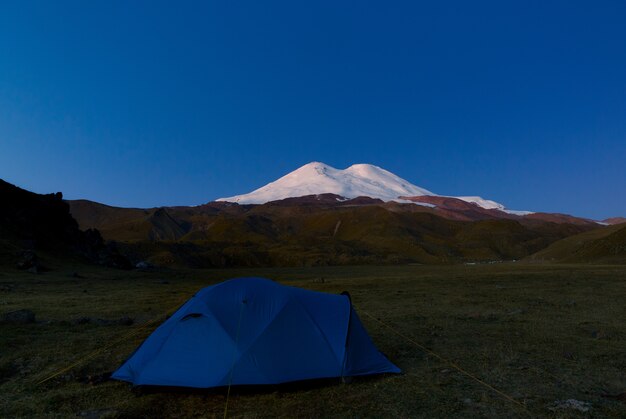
x: 250, y: 331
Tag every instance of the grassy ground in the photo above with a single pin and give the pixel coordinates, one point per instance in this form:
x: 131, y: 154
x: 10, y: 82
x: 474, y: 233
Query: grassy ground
x: 537, y: 333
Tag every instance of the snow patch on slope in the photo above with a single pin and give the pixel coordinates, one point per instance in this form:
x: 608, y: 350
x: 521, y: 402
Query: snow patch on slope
x: 520, y: 213
x: 481, y: 202
x: 489, y: 204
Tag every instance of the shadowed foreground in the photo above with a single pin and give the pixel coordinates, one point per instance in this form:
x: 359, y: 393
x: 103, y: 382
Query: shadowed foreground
x: 540, y: 334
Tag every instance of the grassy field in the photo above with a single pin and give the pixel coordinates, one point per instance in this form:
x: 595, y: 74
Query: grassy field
x: 537, y: 333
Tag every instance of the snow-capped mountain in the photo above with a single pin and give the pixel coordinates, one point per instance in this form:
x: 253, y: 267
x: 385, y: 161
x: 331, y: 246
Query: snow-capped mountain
x: 319, y: 178
x: 357, y: 180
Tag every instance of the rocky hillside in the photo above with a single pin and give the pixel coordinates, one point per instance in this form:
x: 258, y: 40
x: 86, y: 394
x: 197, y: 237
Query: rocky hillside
x: 31, y: 224
x: 317, y: 230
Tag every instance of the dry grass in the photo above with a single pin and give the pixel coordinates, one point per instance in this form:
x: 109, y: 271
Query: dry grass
x: 538, y: 333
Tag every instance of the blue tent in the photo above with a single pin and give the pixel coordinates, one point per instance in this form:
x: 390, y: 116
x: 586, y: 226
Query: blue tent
x: 255, y: 331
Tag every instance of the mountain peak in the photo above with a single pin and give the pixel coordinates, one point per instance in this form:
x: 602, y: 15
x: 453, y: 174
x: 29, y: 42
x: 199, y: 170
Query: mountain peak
x: 313, y: 169
x: 316, y: 165
x: 317, y: 178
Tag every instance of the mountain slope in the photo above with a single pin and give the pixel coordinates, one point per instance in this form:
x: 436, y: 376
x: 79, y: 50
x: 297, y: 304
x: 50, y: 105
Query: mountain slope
x: 615, y: 220
x: 321, y: 230
x: 602, y: 245
x: 128, y: 224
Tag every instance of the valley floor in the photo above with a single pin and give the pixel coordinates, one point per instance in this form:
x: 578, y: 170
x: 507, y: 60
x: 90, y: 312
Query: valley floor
x: 538, y: 333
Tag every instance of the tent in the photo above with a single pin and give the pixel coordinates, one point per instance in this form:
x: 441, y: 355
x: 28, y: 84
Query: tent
x: 255, y: 331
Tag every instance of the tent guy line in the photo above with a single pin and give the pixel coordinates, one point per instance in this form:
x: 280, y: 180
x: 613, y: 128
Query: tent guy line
x: 117, y: 341
x: 447, y: 361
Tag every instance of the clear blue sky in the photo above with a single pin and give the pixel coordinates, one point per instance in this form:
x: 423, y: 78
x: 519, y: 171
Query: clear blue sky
x: 160, y: 103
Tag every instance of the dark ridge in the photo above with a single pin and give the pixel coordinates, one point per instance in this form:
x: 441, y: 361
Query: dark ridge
x: 31, y: 222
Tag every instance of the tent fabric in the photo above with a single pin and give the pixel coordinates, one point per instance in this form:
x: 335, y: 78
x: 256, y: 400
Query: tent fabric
x: 248, y: 331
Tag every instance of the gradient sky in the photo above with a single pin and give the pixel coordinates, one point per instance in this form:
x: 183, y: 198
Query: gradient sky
x: 177, y: 103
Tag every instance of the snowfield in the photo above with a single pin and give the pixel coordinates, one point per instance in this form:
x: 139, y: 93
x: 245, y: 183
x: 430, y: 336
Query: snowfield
x: 318, y: 178
x: 357, y: 180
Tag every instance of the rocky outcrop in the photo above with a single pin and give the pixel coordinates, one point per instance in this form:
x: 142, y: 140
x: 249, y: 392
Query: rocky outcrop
x: 38, y: 223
